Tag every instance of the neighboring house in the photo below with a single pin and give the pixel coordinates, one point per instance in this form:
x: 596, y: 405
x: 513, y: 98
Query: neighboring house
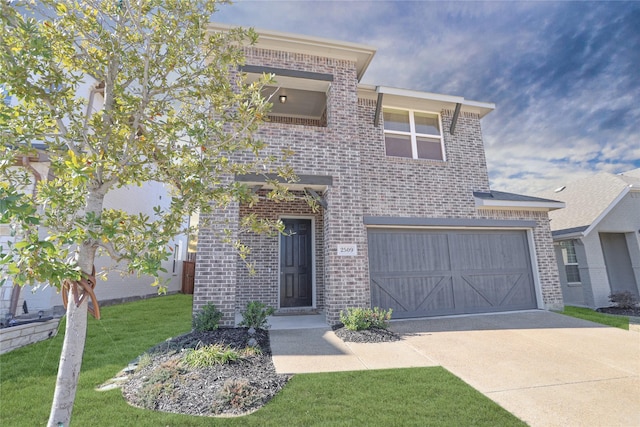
x: 118, y: 287
x: 597, y: 237
x: 406, y: 219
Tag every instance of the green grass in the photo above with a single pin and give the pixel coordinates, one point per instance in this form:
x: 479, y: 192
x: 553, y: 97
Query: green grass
x: 621, y: 322
x: 416, y: 396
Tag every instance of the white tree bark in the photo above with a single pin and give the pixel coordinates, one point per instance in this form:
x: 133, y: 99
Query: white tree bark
x: 70, y: 363
x: 75, y: 332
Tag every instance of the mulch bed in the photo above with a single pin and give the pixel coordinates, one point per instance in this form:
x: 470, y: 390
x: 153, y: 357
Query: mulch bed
x: 235, y: 388
x: 163, y: 382
x: 372, y: 335
x: 635, y: 311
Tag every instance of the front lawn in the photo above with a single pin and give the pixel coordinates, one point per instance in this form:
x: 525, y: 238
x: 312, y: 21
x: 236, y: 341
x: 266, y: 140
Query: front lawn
x: 621, y: 322
x: 415, y: 396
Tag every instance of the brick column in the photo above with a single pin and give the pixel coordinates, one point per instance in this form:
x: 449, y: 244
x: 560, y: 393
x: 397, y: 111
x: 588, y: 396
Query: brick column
x: 346, y: 277
x: 215, y: 279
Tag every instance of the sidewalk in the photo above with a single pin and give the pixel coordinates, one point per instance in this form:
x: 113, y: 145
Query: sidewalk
x: 298, y: 351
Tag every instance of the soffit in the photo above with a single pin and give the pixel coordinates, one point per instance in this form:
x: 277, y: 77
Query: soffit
x: 306, y: 98
x: 425, y: 101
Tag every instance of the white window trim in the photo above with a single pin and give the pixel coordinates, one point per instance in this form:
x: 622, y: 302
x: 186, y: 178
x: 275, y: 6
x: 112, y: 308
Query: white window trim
x: 413, y: 134
x: 567, y: 263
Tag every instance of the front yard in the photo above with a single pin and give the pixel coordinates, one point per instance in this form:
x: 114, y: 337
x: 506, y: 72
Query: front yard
x: 416, y: 396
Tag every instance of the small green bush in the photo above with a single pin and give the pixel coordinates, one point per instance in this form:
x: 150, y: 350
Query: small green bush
x: 238, y: 393
x: 255, y: 315
x: 214, y: 354
x: 357, y: 319
x: 624, y: 299
x: 144, y: 360
x: 158, y: 382
x: 207, y: 319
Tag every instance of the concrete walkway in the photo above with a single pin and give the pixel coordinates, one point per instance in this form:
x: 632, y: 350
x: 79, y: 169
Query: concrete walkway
x: 545, y: 368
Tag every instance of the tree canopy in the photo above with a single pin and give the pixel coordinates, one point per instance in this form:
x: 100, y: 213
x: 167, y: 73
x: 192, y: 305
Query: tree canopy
x: 117, y: 93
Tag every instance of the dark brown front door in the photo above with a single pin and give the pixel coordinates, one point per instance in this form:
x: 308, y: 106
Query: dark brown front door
x: 295, y: 264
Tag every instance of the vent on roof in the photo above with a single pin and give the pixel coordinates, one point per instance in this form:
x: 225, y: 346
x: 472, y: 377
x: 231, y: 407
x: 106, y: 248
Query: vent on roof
x: 559, y: 189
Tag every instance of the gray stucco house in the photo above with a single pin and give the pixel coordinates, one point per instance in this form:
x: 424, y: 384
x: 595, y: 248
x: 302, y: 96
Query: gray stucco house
x: 408, y: 220
x: 597, y: 237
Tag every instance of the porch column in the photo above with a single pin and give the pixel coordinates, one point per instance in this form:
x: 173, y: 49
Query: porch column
x: 216, y: 264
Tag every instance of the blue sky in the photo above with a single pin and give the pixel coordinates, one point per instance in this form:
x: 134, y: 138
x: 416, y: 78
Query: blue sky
x: 565, y: 76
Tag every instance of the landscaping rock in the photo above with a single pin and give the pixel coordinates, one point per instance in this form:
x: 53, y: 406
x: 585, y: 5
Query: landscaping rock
x: 235, y: 388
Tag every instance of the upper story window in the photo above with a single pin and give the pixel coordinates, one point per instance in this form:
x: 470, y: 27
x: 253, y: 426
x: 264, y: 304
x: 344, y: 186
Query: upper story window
x: 570, y: 261
x: 413, y: 134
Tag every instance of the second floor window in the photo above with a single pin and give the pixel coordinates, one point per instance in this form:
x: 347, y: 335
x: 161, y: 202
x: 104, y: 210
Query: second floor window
x: 413, y: 134
x: 570, y: 261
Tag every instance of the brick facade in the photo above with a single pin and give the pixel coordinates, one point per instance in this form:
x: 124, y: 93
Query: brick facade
x: 365, y: 182
x: 263, y: 285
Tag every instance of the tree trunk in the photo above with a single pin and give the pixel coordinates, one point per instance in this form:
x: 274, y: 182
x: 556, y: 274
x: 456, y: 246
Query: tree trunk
x: 70, y: 363
x: 75, y: 333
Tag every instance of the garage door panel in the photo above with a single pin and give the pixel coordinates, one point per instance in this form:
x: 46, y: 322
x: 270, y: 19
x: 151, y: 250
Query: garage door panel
x: 409, y: 295
x: 431, y: 273
x: 490, y: 251
x: 409, y: 252
x: 490, y: 290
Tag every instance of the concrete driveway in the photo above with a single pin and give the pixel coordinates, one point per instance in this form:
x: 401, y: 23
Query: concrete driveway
x: 545, y: 368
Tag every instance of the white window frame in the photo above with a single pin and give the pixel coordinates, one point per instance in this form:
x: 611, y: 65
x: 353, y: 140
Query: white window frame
x: 413, y: 134
x: 565, y: 260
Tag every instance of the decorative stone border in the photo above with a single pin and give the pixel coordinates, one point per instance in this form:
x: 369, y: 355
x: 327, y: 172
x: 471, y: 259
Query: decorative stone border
x: 29, y: 333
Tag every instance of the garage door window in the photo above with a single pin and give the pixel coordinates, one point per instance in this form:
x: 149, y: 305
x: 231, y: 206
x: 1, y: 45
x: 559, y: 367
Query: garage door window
x: 570, y: 261
x: 413, y: 134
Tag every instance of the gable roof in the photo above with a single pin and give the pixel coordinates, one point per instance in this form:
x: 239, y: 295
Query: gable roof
x: 588, y: 201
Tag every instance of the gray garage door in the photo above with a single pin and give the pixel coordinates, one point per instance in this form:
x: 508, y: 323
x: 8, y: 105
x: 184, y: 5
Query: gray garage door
x: 438, y: 272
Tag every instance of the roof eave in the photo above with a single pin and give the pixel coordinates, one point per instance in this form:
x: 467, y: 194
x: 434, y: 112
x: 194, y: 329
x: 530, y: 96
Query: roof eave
x: 274, y: 40
x: 575, y: 235
x: 440, y: 101
x: 518, y: 205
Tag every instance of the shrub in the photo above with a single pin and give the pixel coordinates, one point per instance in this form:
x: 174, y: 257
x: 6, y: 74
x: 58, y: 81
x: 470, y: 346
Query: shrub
x: 158, y: 382
x: 239, y: 394
x: 255, y: 316
x: 249, y: 351
x: 357, y: 319
x: 624, y: 299
x: 210, y: 355
x: 143, y: 361
x: 207, y: 319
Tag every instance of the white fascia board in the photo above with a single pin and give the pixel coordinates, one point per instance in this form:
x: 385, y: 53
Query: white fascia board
x: 605, y: 212
x: 516, y: 205
x: 434, y: 100
x: 568, y: 236
x: 407, y: 93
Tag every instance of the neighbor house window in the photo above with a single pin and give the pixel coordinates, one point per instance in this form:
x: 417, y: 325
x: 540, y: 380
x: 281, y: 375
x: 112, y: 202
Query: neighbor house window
x: 413, y: 134
x: 570, y: 261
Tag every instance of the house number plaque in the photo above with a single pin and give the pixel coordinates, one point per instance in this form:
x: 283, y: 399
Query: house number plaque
x: 348, y: 250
